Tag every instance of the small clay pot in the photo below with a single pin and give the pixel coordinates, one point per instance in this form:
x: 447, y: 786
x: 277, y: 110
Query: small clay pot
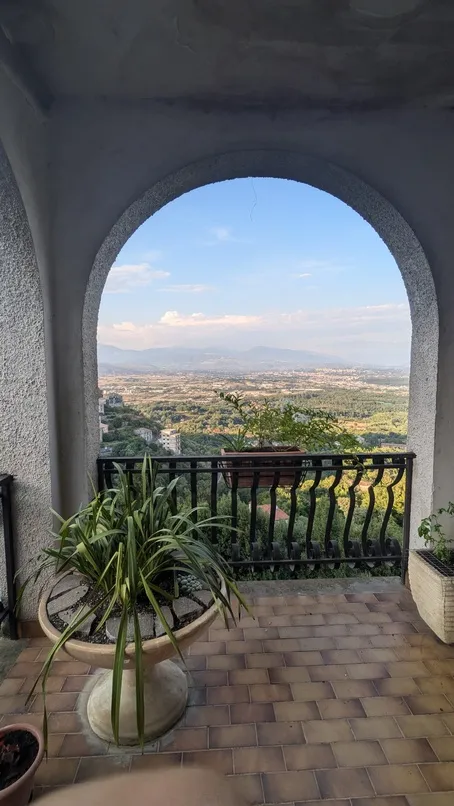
x: 19, y: 792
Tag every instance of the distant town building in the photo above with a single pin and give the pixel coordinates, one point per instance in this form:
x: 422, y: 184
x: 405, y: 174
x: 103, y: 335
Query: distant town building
x: 393, y: 446
x: 114, y: 400
x: 279, y: 515
x: 101, y: 405
x: 146, y: 434
x: 170, y: 439
x: 103, y: 429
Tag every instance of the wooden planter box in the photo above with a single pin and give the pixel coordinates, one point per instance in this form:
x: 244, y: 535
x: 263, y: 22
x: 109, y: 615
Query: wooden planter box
x: 432, y: 588
x: 278, y: 460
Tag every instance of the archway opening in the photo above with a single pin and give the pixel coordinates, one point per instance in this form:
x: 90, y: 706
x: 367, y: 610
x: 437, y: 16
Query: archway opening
x: 386, y: 222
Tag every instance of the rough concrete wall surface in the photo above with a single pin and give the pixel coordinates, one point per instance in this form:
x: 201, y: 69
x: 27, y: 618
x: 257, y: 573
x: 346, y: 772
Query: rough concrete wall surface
x: 24, y: 435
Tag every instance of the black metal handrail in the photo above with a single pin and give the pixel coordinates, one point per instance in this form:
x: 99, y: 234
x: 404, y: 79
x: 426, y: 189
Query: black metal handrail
x: 244, y: 478
x: 8, y: 609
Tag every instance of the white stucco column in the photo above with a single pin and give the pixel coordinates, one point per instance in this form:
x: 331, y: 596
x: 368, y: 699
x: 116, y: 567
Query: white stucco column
x: 24, y: 433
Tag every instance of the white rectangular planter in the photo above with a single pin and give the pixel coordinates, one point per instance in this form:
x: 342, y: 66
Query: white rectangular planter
x: 433, y: 594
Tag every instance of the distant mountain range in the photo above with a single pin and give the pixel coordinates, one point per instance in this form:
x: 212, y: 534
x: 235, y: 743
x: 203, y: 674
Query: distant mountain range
x: 115, y: 361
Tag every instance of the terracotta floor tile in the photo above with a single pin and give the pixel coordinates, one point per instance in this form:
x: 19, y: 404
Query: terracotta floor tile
x: 10, y: 686
x: 421, y: 727
x: 309, y: 757
x: 243, y: 647
x: 436, y: 685
x: 294, y: 674
x: 262, y: 633
x: 186, y: 739
x: 397, y: 686
x: 357, y: 608
x: 358, y: 754
x: 67, y: 722
x: 361, y: 597
x: 278, y: 692
x: 377, y: 655
x: 282, y: 787
x: 61, y: 701
x: 385, y: 641
x: 253, y: 712
x: 218, y: 695
x: 76, y: 745
x: 273, y: 621
x: 345, y: 783
x: 26, y: 669
x: 42, y: 642
x: 408, y: 751
x: 56, y: 771
x: 233, y: 634
x: 367, y: 671
x: 353, y: 642
x: 247, y: 677
x: 280, y: 733
x: 29, y: 654
x: 297, y: 711
x: 327, y: 673
x: 219, y: 760
x: 326, y: 731
x: 374, y: 618
x: 302, y: 599
x: 308, y: 620
x: 209, y: 678
x: 249, y: 788
x: 232, y: 736
x: 271, y: 601
x: 262, y: 610
x: 266, y: 660
x: 150, y: 761
x: 208, y: 648
x: 408, y: 669
x: 292, y: 632
x: 349, y: 689
x: 440, y: 777
x: 340, y: 656
x: 375, y: 727
x: 258, y: 759
x: 53, y: 685
x: 336, y: 709
x: 316, y: 644
x: 448, y: 719
x: 198, y: 663
x: 331, y: 630
x: 428, y: 704
x: 207, y: 715
x: 310, y: 692
x: 74, y: 682
x: 14, y: 704
x: 303, y: 658
x: 407, y: 652
x: 392, y: 800
x: 282, y: 644
x: 227, y: 662
x: 384, y: 706
x: 382, y: 607
x: 443, y: 747
x: 398, y: 629
x: 65, y: 668
x: 429, y: 799
x: 364, y: 629
x: 397, y: 779
x: 341, y: 618
x: 333, y: 598
x: 294, y: 610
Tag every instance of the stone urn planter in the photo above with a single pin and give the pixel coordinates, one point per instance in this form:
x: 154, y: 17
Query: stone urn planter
x: 432, y: 588
x: 21, y: 753
x: 165, y: 685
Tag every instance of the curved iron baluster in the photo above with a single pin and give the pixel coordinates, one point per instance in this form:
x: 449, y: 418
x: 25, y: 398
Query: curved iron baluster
x: 253, y: 521
x: 272, y: 521
x: 235, y: 546
x: 352, y: 548
x: 331, y: 546
x: 313, y: 549
x: 292, y: 516
x: 388, y: 511
x: 371, y: 547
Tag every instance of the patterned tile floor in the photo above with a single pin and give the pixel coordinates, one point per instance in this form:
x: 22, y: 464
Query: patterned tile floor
x: 333, y: 697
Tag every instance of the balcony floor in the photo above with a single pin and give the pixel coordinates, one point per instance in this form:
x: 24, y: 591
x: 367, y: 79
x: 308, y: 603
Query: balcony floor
x: 324, y: 696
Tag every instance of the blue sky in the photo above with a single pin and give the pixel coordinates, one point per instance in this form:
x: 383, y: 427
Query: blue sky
x: 258, y: 262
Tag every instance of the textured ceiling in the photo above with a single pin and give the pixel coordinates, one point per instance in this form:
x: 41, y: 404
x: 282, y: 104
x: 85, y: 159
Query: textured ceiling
x: 339, y: 53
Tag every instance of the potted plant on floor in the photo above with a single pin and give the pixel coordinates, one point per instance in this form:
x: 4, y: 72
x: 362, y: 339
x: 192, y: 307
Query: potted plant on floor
x: 139, y: 583
x: 276, y: 436
x: 431, y: 575
x: 21, y: 753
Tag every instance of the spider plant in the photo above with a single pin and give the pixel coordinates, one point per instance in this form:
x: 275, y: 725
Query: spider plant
x: 127, y: 542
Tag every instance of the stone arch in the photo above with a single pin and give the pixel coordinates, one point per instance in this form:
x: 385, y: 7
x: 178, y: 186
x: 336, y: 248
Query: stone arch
x: 24, y: 428
x: 361, y: 197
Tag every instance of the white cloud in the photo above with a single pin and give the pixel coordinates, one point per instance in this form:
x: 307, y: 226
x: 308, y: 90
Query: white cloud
x: 128, y: 277
x: 306, y: 274
x: 370, y: 332
x: 190, y: 288
x: 222, y: 234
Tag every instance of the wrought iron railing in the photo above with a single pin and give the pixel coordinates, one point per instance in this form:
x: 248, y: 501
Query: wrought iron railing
x: 311, y: 534
x: 8, y: 607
